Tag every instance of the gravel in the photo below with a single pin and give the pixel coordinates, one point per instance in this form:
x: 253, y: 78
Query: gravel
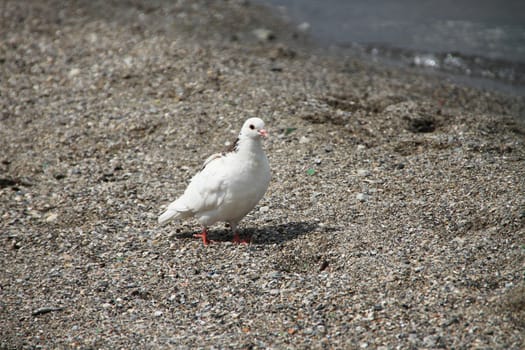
x: 395, y: 217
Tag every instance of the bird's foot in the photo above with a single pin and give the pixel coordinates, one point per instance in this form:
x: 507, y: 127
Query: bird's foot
x: 204, y: 236
x: 237, y: 239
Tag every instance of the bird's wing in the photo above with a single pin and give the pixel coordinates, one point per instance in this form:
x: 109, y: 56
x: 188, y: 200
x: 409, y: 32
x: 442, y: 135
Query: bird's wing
x: 210, y: 159
x: 207, y: 188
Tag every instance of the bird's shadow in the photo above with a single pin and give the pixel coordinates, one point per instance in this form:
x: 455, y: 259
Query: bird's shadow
x: 270, y: 234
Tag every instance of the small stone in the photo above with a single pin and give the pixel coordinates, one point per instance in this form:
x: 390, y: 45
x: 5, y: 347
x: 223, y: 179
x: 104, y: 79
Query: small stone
x: 308, y: 330
x: 263, y: 34
x: 363, y: 172
x: 473, y: 329
x: 412, y: 337
x: 303, y: 27
x: 328, y: 148
x: 264, y: 209
x: 52, y: 217
x: 399, y: 166
x: 449, y: 322
x: 75, y: 171
x: 73, y: 72
x: 304, y: 139
x: 317, y: 161
x: 362, y: 197
x: 429, y: 341
x: 458, y: 240
x: 275, y: 275
x: 361, y: 148
x: 34, y: 213
x: 158, y: 313
x: 128, y: 61
x: 93, y: 38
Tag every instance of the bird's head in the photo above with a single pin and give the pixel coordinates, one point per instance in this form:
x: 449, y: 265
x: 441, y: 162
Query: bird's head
x: 254, y: 128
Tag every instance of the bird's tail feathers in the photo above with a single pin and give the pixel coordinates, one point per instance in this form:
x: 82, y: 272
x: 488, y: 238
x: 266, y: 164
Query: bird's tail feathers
x: 168, y: 215
x: 174, y: 211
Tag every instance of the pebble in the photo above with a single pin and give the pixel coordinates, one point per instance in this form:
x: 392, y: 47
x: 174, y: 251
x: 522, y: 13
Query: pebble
x: 304, y: 140
x: 363, y: 172
x: 263, y: 34
x: 35, y: 213
x: 52, y: 217
x: 362, y: 197
x: 430, y: 341
x: 74, y: 72
x: 328, y: 148
x: 399, y: 166
x: 412, y: 337
x: 378, y: 307
x: 303, y: 27
x: 264, y: 209
x: 308, y: 330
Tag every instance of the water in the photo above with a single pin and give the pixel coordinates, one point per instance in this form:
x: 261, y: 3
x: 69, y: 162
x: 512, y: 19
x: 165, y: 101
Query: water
x: 479, y: 42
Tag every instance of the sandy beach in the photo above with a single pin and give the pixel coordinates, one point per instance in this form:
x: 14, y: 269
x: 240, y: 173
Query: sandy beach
x: 395, y: 218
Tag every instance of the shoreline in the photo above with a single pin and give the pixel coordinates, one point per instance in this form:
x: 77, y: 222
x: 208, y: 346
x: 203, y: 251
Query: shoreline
x: 368, y: 38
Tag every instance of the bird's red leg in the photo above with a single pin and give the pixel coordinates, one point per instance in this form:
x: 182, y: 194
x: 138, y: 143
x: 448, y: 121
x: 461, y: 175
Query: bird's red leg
x: 203, y: 235
x: 237, y: 239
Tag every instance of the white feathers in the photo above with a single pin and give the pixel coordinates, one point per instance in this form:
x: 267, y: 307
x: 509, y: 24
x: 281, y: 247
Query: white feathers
x: 229, y: 185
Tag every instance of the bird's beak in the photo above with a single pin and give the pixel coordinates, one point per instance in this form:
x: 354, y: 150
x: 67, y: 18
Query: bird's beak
x: 263, y: 133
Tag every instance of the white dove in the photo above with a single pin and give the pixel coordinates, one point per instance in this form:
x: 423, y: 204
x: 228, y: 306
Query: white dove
x: 229, y: 184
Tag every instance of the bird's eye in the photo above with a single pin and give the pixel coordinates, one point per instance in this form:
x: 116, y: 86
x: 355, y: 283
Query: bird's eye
x: 252, y: 127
